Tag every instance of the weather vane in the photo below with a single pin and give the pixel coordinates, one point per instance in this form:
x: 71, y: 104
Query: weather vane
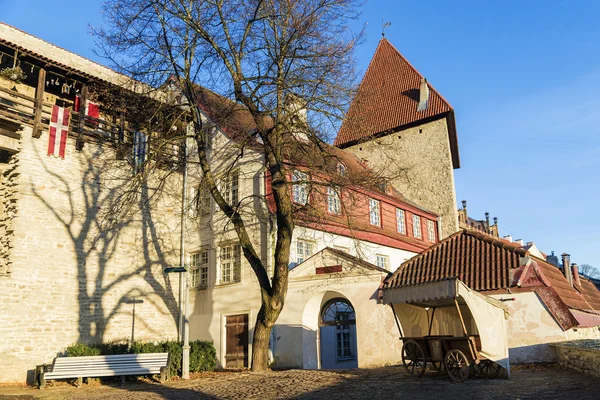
x: 383, y: 26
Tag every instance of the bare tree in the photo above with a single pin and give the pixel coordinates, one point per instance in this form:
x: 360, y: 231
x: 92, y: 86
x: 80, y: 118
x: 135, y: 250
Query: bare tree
x: 589, y: 271
x: 285, y: 63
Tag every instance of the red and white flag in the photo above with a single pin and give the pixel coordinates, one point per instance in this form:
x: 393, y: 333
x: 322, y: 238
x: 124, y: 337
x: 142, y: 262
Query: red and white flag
x: 91, y: 109
x: 59, y: 130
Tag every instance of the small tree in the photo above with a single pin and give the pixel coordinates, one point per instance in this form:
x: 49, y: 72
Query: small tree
x: 273, y: 59
x: 589, y: 271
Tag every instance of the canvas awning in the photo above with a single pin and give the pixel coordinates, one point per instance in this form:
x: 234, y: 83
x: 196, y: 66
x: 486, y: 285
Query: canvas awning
x: 488, y: 316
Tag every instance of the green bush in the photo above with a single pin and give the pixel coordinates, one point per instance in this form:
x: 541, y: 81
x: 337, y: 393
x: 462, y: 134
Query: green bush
x: 81, y: 349
x: 202, y: 354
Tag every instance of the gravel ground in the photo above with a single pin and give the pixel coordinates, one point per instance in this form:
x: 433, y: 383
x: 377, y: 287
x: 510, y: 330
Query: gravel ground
x: 533, y: 382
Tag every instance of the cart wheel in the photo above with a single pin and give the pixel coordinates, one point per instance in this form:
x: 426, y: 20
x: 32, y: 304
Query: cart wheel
x: 440, y: 367
x: 488, y: 369
x: 413, y: 358
x: 457, y: 365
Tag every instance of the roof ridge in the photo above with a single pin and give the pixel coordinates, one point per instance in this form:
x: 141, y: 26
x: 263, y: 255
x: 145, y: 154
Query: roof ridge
x: 498, y: 242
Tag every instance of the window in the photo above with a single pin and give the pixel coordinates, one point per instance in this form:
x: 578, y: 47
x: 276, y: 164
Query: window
x: 199, y: 270
x: 341, y: 169
x: 204, y: 200
x: 333, y: 200
x: 304, y: 250
x: 400, y: 221
x: 416, y: 226
x: 140, y: 148
x: 374, y: 212
x: 230, y: 188
x: 431, y: 231
x: 231, y: 263
x: 339, y: 313
x: 383, y: 261
x: 199, y: 198
x: 299, y: 190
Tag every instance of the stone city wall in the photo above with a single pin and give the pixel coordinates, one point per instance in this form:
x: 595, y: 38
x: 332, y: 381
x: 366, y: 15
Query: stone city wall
x: 70, y: 270
x: 576, y: 355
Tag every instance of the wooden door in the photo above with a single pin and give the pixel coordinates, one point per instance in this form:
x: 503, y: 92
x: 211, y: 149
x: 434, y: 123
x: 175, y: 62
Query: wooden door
x: 236, y: 341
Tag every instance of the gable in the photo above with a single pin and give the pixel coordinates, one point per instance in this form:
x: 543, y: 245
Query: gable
x: 331, y: 261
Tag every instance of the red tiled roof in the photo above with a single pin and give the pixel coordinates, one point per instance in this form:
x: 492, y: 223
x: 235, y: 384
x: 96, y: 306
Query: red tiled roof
x: 484, y: 262
x: 591, y: 293
x: 567, y: 293
x: 387, y: 99
x: 481, y: 261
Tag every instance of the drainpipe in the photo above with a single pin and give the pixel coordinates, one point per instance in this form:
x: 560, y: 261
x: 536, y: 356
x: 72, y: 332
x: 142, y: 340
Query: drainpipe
x: 566, y: 262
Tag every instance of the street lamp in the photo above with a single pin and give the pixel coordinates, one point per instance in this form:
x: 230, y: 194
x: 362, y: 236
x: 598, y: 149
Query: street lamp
x: 183, y: 278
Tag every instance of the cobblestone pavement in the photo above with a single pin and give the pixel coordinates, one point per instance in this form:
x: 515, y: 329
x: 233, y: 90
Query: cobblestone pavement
x: 544, y: 382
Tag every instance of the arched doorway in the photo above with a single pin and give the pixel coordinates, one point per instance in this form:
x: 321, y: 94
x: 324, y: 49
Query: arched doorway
x: 337, y: 334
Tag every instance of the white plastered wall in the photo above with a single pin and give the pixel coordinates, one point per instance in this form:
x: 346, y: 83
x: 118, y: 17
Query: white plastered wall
x: 531, y: 328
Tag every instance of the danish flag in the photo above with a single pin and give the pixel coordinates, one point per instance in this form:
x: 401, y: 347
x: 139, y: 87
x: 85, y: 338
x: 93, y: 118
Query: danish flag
x: 59, y: 130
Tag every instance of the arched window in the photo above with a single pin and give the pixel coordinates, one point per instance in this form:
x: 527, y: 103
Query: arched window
x: 338, y: 312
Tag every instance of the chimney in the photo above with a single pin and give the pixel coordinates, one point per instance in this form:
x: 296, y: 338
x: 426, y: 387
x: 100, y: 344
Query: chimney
x: 508, y: 237
x: 495, y: 220
x: 575, y: 272
x: 423, y: 95
x: 520, y: 241
x: 529, y: 243
x: 566, y: 263
x: 487, y: 222
x: 464, y: 204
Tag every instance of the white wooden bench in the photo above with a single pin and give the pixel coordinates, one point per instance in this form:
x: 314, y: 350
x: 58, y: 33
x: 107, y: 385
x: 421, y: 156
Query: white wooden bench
x: 115, y: 365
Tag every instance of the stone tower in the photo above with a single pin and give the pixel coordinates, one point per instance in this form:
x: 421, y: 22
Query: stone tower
x: 406, y: 131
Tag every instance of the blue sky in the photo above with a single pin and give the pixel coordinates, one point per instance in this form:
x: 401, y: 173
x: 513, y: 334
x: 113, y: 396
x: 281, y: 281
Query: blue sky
x: 523, y: 77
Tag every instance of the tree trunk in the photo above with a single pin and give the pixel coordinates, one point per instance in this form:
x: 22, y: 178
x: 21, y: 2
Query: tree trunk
x: 262, y: 333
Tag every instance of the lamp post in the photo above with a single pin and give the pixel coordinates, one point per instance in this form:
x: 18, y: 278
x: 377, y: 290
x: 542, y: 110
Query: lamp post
x: 183, y: 277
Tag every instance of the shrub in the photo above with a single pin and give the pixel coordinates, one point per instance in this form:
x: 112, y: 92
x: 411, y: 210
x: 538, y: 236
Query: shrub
x: 81, y: 349
x: 202, y: 354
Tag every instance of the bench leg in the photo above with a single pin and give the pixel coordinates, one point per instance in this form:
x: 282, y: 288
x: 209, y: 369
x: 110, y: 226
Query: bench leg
x: 42, y: 380
x: 79, y: 381
x: 164, y: 374
x: 122, y: 379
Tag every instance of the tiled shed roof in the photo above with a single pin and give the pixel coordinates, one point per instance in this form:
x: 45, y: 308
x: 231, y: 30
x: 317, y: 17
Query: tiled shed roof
x: 484, y: 262
x: 388, y: 98
x: 481, y: 261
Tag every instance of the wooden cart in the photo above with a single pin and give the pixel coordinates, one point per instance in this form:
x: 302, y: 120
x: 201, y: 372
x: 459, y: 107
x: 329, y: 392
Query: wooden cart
x: 455, y: 355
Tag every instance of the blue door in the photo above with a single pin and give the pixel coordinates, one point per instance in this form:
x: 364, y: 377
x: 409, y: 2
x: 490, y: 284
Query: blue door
x: 337, y: 334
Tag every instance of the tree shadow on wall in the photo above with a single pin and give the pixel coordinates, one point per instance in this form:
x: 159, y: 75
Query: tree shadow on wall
x: 120, y: 254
